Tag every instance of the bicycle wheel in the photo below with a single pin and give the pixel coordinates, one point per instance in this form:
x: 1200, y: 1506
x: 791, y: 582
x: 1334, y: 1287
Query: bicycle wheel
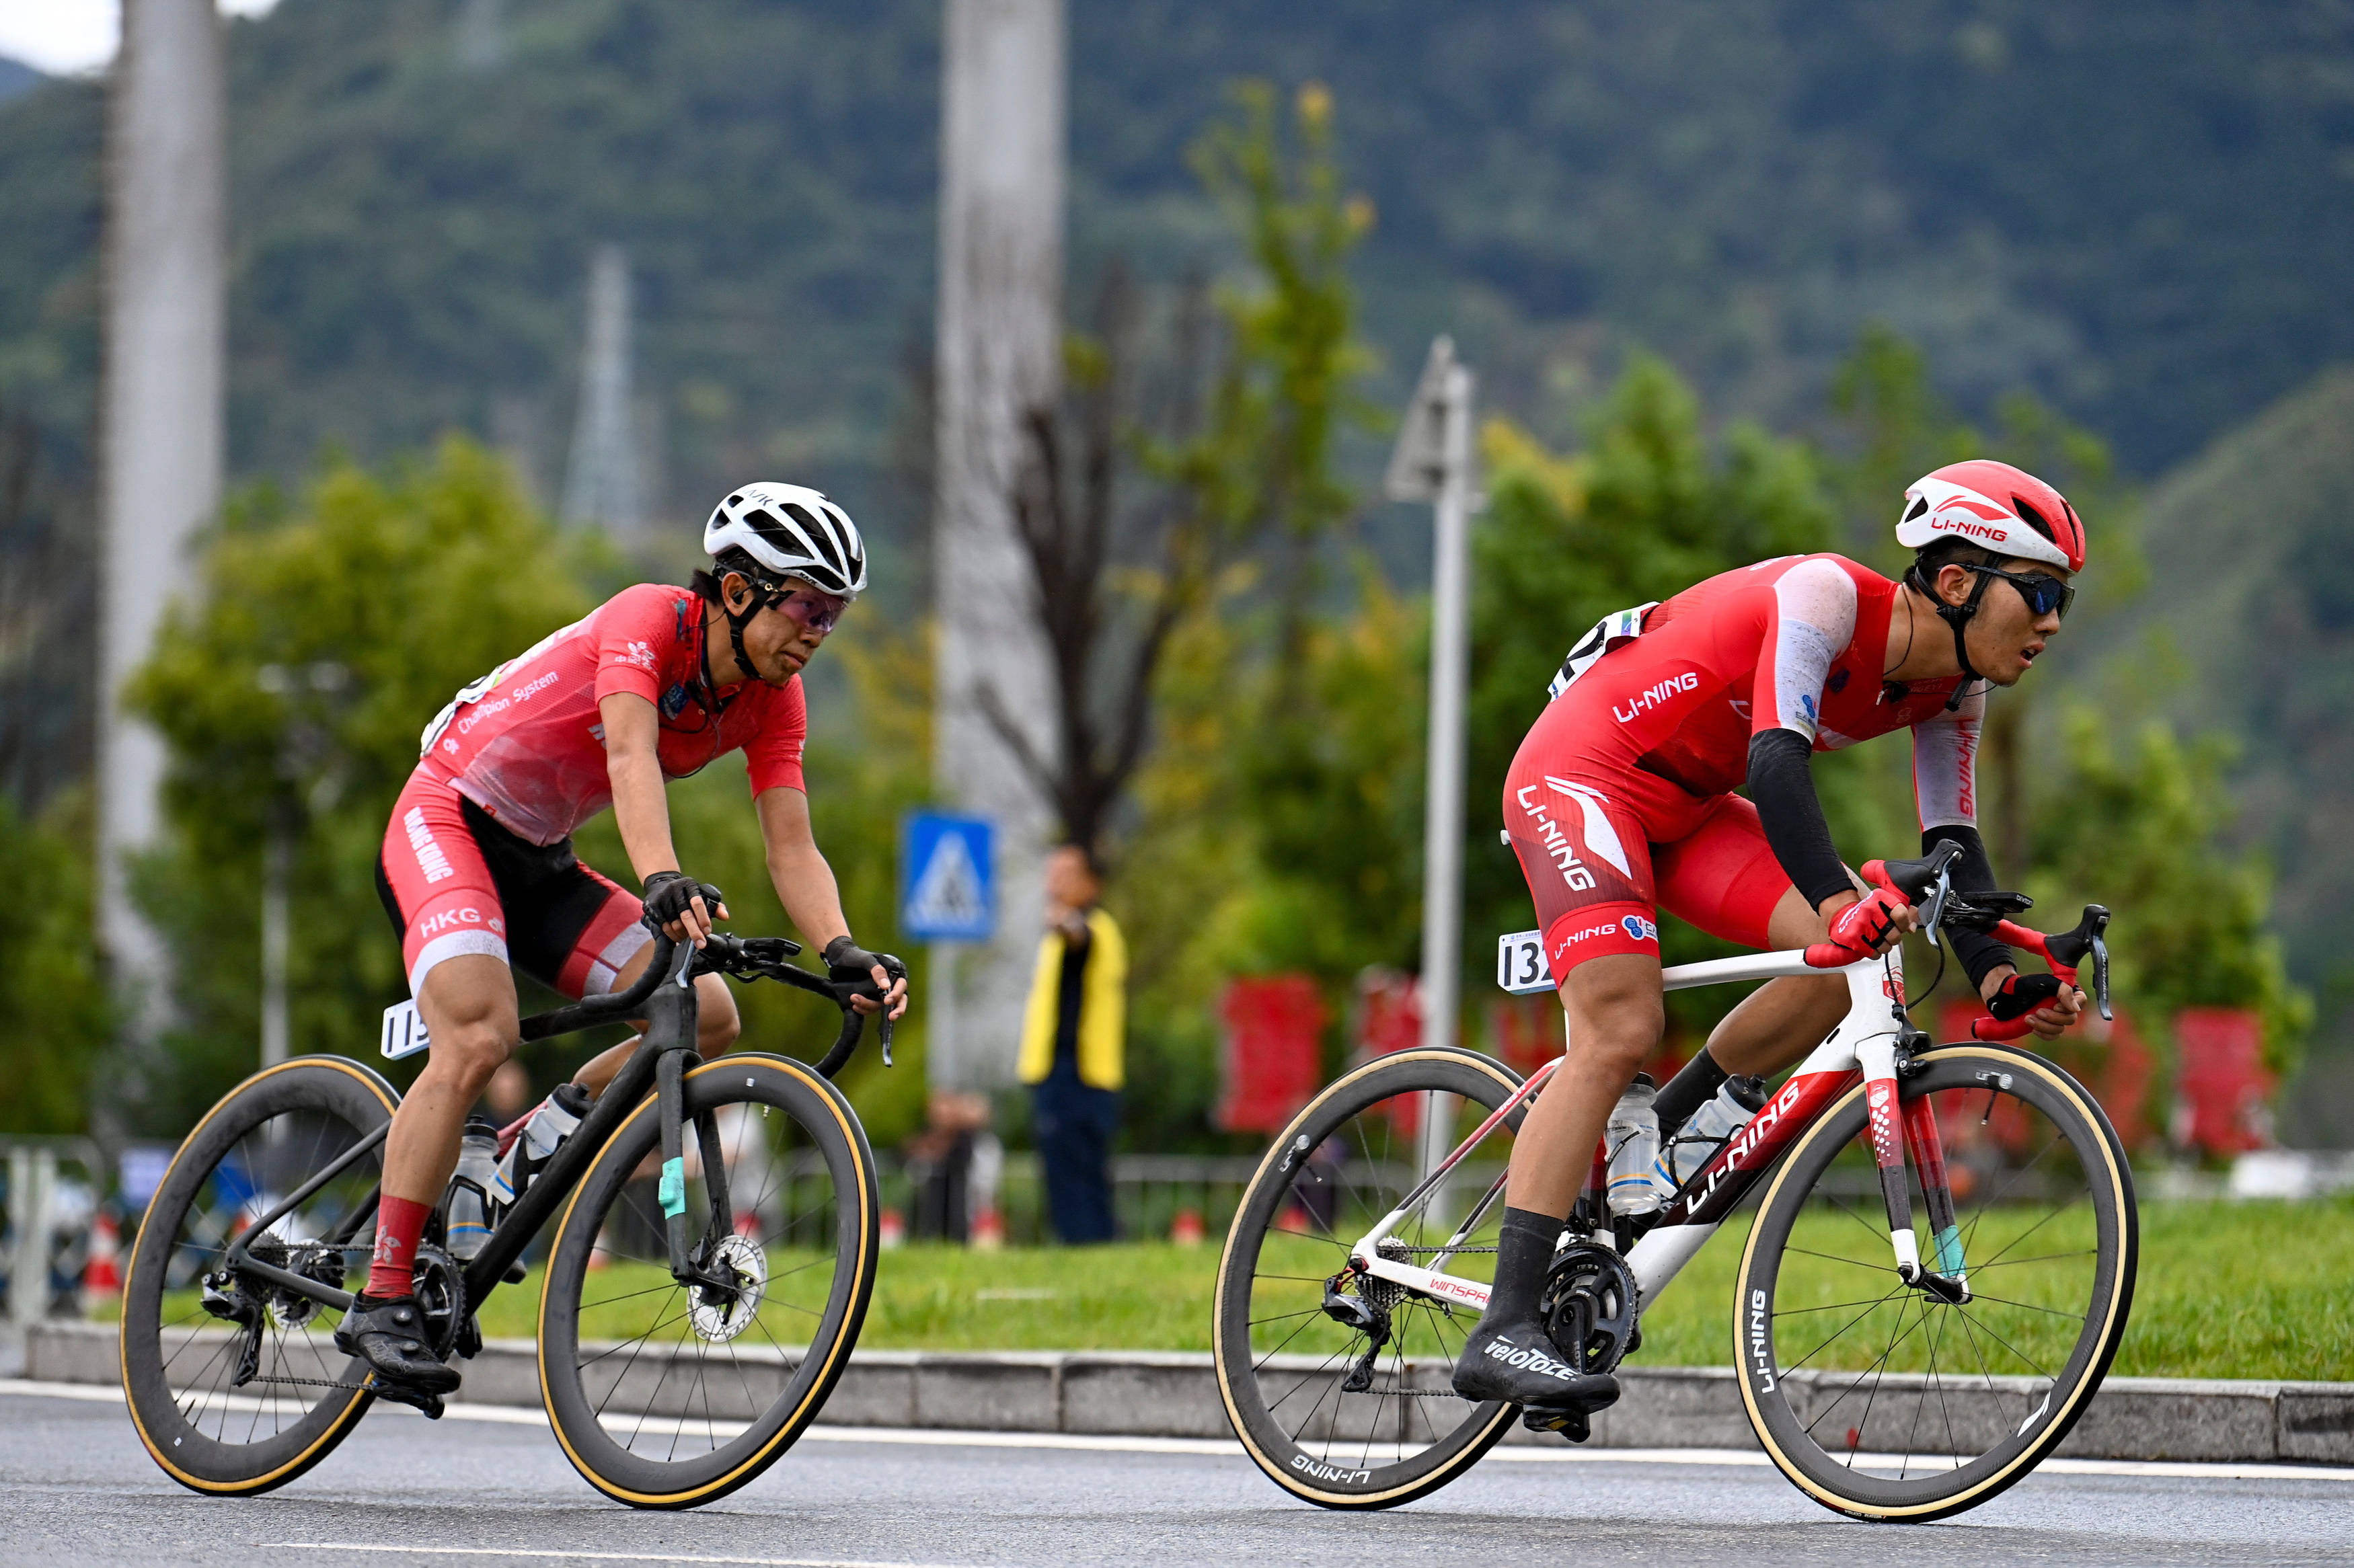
x: 236, y: 1386
x: 1344, y: 1417
x: 1886, y: 1401
x: 661, y: 1395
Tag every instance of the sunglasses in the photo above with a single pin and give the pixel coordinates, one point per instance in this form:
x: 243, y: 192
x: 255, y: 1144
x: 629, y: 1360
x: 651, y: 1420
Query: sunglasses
x: 2044, y: 594
x: 816, y: 611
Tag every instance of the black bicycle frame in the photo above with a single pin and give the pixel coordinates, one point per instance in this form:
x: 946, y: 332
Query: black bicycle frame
x: 667, y: 991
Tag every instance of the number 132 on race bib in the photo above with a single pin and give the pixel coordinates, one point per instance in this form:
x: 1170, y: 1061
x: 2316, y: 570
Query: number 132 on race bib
x: 1521, y: 966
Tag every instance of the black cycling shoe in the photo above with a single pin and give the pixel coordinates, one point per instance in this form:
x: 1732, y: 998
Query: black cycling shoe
x: 390, y: 1337
x: 1517, y: 1363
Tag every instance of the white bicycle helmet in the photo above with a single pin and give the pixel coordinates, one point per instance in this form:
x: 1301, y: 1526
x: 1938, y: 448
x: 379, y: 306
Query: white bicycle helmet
x: 790, y: 531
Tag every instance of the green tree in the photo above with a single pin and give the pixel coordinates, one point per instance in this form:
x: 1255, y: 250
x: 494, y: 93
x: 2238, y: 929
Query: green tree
x: 51, y: 989
x: 2139, y: 827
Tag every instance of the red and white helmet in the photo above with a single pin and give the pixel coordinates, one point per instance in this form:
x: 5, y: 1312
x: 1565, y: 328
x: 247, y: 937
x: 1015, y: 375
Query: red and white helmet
x: 2007, y: 510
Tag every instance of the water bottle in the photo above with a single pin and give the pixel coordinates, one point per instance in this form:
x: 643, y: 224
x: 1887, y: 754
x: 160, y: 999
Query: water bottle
x: 1697, y: 1141
x: 466, y: 1210
x: 541, y: 1137
x: 1633, y: 1140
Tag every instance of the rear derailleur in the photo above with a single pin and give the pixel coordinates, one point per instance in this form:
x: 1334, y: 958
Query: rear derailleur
x: 1368, y: 1312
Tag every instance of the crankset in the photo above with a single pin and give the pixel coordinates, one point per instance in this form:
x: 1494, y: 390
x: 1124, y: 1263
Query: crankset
x: 1589, y: 1307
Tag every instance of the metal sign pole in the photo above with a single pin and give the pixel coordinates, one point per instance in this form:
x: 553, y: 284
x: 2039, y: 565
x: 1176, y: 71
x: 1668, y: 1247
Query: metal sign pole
x: 1434, y: 462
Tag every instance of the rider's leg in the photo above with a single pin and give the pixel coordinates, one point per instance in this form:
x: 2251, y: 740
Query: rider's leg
x: 1615, y: 1019
x: 469, y: 1003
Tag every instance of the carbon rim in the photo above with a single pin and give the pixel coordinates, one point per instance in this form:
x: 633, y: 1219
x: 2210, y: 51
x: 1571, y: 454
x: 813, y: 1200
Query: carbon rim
x: 662, y: 1398
x: 1883, y: 1401
x: 221, y: 1407
x: 1284, y: 1362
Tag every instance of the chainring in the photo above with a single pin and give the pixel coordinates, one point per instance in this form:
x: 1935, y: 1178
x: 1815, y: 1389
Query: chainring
x: 1589, y: 1307
x: 441, y: 1297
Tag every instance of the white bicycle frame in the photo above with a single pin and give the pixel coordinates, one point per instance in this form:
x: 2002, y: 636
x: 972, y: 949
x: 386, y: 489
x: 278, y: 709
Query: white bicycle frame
x: 1864, y: 1042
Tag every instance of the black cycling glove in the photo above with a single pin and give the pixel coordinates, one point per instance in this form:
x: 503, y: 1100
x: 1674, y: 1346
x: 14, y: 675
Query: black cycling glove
x: 847, y: 963
x: 668, y: 893
x: 2022, y: 994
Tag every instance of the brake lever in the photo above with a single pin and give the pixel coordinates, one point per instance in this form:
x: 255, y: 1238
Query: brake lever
x: 1939, y: 891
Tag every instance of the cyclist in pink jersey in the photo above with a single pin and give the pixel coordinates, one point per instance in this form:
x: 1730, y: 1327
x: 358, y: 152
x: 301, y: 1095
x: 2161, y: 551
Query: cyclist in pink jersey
x: 1620, y: 801
x: 477, y: 871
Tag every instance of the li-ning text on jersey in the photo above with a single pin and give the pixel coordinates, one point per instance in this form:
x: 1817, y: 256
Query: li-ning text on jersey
x: 1795, y: 644
x: 526, y: 742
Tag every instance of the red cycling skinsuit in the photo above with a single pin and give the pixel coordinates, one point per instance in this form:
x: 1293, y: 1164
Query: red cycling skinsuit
x: 1620, y: 799
x: 478, y: 857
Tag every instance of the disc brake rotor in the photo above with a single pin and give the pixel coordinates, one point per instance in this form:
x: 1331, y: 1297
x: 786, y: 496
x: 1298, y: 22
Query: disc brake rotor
x: 719, y: 1315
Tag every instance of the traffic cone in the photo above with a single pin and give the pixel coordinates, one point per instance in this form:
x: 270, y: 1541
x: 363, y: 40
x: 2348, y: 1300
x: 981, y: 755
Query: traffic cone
x: 102, y: 1276
x: 1187, y: 1229
x: 987, y: 1231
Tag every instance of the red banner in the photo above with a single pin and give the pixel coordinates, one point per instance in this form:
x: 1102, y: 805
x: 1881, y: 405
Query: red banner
x: 2223, y: 1087
x: 1270, y: 1056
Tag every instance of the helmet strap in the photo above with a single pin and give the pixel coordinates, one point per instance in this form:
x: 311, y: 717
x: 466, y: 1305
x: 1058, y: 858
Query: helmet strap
x: 1958, y: 617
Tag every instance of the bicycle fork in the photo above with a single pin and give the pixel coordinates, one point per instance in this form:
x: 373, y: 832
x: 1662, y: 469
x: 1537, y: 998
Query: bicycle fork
x: 671, y: 1030
x: 1900, y: 1128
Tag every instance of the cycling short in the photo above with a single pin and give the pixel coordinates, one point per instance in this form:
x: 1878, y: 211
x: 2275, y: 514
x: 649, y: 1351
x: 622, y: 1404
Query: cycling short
x: 1605, y: 847
x: 455, y: 882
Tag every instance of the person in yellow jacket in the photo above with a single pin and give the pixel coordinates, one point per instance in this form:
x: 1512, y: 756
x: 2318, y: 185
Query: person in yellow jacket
x: 1074, y: 1045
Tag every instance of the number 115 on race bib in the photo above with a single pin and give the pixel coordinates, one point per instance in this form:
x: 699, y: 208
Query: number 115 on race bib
x: 1521, y: 966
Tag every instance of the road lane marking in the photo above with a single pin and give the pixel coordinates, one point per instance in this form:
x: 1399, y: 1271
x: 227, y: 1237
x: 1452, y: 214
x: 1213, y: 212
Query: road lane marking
x: 1228, y: 1448
x: 572, y: 1556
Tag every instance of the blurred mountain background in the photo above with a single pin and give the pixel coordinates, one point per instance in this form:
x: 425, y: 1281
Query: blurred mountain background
x: 2144, y: 216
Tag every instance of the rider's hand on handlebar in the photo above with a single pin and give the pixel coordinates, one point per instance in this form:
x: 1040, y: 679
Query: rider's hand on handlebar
x: 846, y: 960
x: 1862, y: 928
x: 2004, y: 990
x: 685, y: 907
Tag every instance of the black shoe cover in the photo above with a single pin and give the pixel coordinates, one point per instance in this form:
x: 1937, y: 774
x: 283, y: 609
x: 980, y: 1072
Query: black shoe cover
x: 1517, y: 1363
x: 390, y: 1337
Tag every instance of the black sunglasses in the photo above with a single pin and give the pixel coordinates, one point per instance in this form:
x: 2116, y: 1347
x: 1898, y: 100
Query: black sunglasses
x: 2043, y: 593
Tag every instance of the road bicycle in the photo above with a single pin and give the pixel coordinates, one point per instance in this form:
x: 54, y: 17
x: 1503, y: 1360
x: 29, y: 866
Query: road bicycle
x: 713, y: 1259
x: 1889, y: 1375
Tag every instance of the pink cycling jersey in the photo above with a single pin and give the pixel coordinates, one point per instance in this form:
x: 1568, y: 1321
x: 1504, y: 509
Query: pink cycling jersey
x: 526, y: 742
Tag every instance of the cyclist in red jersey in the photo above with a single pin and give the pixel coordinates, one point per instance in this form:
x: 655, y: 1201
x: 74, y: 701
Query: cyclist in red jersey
x: 477, y: 870
x: 1621, y: 802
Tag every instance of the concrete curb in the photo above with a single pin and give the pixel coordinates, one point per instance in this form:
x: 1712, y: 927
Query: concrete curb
x: 1175, y: 1394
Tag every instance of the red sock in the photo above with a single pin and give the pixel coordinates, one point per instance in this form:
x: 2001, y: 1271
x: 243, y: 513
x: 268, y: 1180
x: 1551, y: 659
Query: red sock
x: 398, y: 1225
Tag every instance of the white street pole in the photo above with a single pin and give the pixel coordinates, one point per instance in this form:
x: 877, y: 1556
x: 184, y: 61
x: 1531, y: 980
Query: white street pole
x: 277, y: 869
x: 1434, y: 462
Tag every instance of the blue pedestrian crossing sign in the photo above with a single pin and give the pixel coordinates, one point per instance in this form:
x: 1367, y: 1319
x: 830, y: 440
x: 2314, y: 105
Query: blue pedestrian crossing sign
x: 948, y: 885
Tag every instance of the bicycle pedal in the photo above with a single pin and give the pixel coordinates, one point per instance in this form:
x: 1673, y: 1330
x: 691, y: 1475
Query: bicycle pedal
x: 427, y: 1404
x: 1572, y: 1424
x: 516, y: 1273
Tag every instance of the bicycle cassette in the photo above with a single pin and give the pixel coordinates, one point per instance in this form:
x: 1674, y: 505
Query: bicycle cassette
x: 1589, y: 1305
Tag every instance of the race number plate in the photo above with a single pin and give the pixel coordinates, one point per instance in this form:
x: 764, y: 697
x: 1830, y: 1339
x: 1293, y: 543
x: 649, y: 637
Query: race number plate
x: 1521, y: 966
x: 403, y: 1032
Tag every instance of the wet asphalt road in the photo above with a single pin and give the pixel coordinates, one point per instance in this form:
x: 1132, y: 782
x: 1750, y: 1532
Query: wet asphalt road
x: 76, y: 1488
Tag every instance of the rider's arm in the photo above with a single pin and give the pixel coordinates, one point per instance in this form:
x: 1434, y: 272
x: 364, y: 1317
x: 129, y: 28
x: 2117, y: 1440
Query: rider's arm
x: 641, y: 809
x: 1944, y: 785
x: 1782, y: 787
x: 1810, y: 622
x: 805, y: 882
